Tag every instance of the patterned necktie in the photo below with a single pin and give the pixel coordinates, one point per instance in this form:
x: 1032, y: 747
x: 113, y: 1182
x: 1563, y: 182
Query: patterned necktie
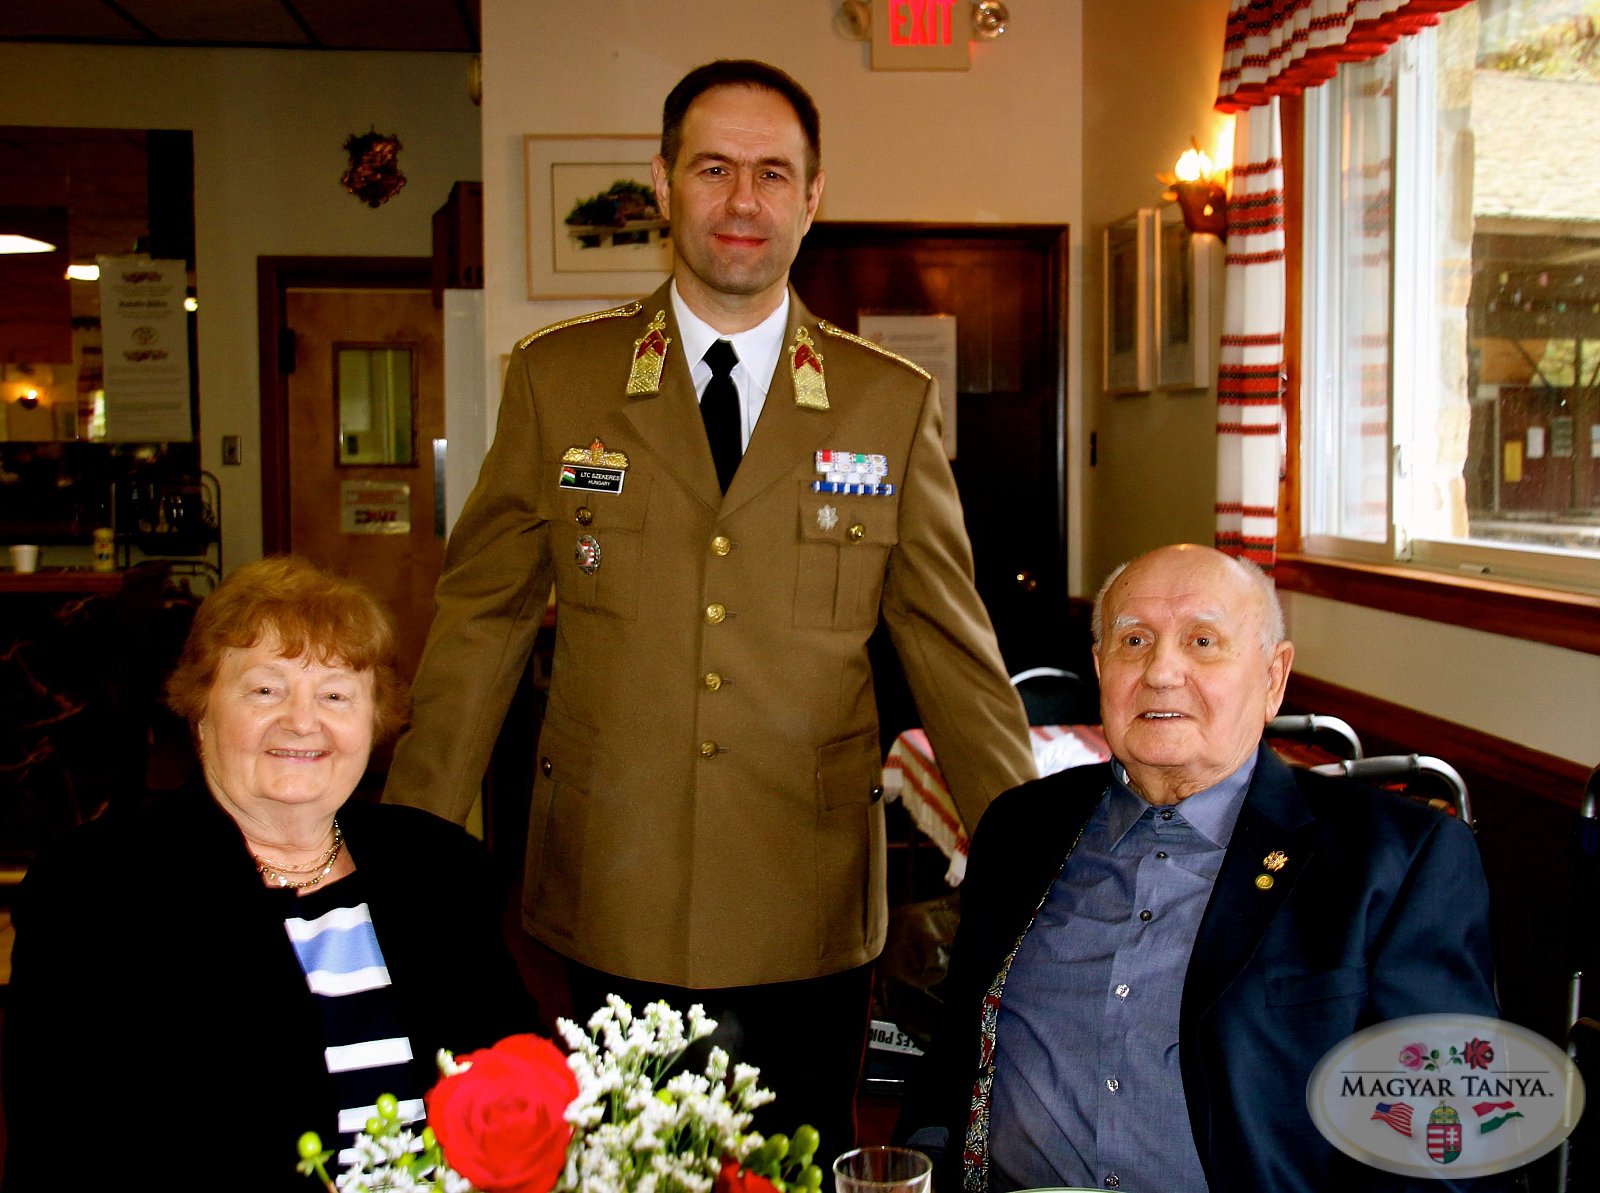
x: 719, y: 408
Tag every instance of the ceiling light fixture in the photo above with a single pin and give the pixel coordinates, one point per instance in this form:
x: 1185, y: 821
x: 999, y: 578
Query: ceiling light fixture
x: 15, y: 242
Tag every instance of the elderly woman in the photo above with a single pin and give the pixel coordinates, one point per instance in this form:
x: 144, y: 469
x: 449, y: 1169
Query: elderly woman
x: 198, y: 981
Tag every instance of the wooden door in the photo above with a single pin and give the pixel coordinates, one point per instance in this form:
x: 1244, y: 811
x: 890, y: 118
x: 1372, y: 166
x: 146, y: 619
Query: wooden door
x: 1006, y: 286
x: 373, y: 521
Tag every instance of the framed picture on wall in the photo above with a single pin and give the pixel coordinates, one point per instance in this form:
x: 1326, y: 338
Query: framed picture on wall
x: 1182, y: 304
x: 1127, y: 295
x: 593, y: 228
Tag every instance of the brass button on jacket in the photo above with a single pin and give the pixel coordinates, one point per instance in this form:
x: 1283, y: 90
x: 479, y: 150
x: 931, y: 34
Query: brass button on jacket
x: 708, y: 749
x: 546, y: 767
x: 721, y: 545
x: 716, y: 613
x: 585, y: 515
x: 856, y: 533
x: 713, y: 681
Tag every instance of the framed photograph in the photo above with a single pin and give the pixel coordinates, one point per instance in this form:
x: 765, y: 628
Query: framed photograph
x: 1182, y: 305
x: 593, y: 227
x: 1127, y: 295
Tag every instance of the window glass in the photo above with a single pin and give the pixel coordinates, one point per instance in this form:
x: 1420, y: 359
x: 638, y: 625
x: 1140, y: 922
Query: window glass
x: 1452, y: 297
x: 376, y: 401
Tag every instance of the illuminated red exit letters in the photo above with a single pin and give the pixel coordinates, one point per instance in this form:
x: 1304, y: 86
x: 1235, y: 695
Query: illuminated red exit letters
x: 920, y: 22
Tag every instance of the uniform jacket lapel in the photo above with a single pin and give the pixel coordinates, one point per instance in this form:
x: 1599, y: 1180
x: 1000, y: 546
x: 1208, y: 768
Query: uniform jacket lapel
x: 669, y: 421
x: 1274, y: 817
x: 785, y: 434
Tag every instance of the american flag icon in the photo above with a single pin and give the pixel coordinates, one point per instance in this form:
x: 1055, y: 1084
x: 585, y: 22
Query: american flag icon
x: 1396, y: 1114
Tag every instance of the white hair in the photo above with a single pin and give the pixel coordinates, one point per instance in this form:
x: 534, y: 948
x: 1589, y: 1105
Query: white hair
x: 1272, y: 631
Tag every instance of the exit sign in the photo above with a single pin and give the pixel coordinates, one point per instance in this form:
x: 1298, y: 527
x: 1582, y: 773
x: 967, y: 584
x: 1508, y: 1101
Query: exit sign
x: 919, y: 35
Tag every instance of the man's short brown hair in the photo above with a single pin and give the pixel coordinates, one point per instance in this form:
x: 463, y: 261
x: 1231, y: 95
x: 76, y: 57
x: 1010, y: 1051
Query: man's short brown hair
x: 740, y: 72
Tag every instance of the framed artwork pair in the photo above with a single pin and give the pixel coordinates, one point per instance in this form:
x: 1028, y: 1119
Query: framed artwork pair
x: 1157, y: 304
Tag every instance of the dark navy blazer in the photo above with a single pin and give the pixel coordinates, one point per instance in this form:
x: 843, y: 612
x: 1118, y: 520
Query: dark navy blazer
x: 1380, y: 910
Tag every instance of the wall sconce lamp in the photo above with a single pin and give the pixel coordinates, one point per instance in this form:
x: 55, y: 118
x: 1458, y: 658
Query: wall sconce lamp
x: 1199, y: 186
x: 28, y: 399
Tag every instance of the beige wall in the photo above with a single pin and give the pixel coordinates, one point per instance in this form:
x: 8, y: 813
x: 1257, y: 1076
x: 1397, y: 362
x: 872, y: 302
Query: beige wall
x: 269, y: 127
x: 1541, y: 696
x: 1149, y: 81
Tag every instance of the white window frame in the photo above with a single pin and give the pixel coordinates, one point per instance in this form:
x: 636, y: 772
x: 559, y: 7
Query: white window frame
x: 1414, y: 335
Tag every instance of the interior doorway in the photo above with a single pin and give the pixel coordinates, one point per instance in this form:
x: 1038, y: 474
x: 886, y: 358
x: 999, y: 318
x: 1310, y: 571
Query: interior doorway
x: 352, y: 405
x: 1006, y: 285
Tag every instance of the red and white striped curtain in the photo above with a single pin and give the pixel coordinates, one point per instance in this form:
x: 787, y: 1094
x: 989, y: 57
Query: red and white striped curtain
x: 1273, y: 48
x: 1250, y: 363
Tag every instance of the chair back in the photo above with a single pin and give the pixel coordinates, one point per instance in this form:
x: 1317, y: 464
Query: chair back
x: 1053, y: 696
x: 1417, y: 776
x: 1331, y: 733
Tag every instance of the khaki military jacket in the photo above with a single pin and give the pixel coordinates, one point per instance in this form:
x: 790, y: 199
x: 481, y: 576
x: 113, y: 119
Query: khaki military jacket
x: 706, y: 809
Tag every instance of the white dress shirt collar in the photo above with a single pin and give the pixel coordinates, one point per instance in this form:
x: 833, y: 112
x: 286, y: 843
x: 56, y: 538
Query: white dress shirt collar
x: 758, y: 350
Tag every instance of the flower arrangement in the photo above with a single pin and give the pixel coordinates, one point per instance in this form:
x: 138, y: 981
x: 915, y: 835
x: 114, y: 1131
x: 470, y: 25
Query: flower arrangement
x: 521, y: 1117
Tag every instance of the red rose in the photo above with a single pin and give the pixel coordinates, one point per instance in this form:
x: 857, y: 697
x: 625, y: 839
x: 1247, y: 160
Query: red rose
x: 1479, y: 1053
x: 501, y: 1122
x: 731, y: 1180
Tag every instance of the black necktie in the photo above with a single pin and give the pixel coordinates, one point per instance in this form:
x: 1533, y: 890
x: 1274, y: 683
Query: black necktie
x: 719, y: 407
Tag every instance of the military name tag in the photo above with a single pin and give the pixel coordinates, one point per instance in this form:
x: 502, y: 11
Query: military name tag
x: 592, y: 480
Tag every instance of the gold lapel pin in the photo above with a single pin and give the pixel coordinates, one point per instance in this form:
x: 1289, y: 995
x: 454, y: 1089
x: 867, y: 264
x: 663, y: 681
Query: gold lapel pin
x: 1276, y: 860
x: 805, y: 363
x: 649, y: 355
x: 1263, y: 882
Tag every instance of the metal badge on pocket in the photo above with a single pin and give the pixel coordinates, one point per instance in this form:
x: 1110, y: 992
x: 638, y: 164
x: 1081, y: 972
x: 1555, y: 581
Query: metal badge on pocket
x: 587, y: 554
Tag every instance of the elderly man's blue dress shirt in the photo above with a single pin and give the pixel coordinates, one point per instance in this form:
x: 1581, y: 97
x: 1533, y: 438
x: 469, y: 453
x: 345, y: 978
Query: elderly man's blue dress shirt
x: 1087, y: 1087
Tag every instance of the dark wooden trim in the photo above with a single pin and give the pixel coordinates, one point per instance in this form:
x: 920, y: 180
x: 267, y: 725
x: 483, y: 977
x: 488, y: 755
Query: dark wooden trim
x: 274, y: 277
x: 1387, y: 728
x: 1570, y: 620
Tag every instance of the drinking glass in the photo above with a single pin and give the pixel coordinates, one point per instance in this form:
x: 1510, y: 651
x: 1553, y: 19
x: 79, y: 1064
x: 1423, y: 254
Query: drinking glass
x: 882, y: 1170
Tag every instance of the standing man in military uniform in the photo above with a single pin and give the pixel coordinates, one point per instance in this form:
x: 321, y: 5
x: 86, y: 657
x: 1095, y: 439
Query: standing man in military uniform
x: 728, y: 494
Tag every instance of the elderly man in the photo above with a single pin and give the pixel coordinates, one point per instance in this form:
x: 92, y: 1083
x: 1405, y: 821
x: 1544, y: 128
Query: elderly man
x: 728, y: 494
x: 1154, y: 953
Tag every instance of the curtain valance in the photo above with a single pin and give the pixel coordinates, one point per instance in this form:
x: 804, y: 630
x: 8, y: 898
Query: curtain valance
x: 1281, y: 47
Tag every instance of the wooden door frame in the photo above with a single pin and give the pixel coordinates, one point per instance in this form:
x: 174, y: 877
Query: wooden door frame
x: 1055, y: 240
x: 275, y: 277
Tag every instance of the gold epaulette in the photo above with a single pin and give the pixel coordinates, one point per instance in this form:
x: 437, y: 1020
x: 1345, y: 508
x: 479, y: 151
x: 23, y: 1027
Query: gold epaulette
x: 626, y: 311
x: 840, y: 333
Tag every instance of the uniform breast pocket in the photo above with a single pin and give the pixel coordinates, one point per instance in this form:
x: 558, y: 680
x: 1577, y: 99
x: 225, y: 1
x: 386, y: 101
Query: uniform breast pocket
x: 597, y: 538
x: 844, y: 550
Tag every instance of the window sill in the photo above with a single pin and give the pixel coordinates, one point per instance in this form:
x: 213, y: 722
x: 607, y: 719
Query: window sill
x: 1566, y: 619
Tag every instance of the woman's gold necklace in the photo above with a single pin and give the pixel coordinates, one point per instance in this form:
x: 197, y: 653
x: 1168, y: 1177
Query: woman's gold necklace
x: 278, y: 873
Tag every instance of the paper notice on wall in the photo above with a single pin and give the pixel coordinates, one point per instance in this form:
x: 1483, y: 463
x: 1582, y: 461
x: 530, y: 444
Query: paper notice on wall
x: 1561, y: 437
x: 1535, y: 443
x: 144, y: 332
x: 928, y: 341
x: 1511, y: 468
x: 1594, y: 441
